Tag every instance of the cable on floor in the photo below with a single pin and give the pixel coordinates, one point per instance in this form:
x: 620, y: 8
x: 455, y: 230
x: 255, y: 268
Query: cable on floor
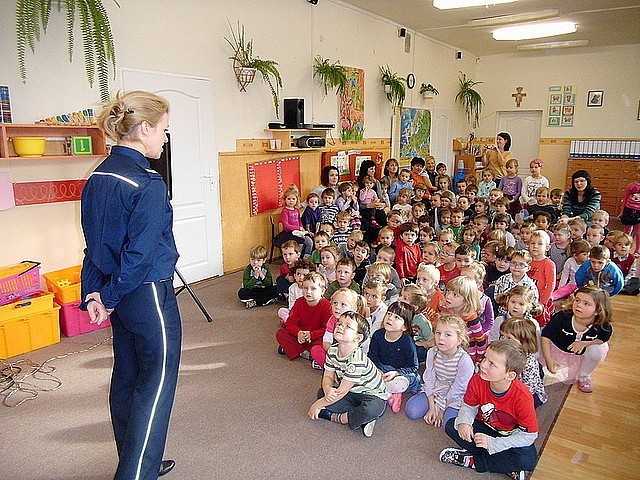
x: 19, y: 377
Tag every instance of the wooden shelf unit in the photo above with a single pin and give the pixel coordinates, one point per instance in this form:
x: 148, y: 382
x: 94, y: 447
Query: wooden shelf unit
x: 469, y: 163
x: 610, y: 177
x: 288, y: 137
x: 54, y: 149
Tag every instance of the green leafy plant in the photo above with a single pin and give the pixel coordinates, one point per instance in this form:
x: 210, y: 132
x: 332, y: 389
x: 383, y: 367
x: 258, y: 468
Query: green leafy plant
x: 470, y: 99
x: 394, y: 86
x: 243, y: 58
x: 428, y: 89
x: 32, y: 17
x: 332, y: 75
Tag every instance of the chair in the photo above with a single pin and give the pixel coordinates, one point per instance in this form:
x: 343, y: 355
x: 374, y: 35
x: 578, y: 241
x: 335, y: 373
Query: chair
x: 274, y: 234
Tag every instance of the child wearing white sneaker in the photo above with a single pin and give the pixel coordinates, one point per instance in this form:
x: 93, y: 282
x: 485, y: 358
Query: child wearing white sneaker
x: 447, y: 372
x: 353, y: 392
x: 393, y: 351
x: 497, y: 424
x: 579, y: 340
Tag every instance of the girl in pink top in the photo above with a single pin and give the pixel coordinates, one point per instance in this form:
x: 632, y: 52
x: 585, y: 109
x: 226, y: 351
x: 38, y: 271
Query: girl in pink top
x: 630, y: 212
x: 290, y: 218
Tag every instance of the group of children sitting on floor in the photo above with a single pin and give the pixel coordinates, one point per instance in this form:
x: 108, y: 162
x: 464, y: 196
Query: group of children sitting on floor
x: 481, y: 300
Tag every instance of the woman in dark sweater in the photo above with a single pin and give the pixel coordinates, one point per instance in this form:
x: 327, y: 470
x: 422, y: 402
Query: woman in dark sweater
x: 581, y: 200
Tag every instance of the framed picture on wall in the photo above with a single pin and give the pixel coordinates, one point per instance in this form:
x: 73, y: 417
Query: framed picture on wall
x: 567, y: 110
x: 554, y: 121
x: 555, y: 99
x: 567, y: 121
x: 554, y: 110
x: 569, y: 99
x: 594, y: 98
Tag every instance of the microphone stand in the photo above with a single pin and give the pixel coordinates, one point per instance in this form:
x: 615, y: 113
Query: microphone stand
x: 185, y: 286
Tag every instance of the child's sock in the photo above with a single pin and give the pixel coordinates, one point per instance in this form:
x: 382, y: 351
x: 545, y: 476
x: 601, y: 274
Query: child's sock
x: 341, y: 418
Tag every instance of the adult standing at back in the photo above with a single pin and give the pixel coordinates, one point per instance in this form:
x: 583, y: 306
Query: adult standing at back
x: 371, y: 226
x: 582, y: 199
x: 495, y: 157
x: 127, y: 272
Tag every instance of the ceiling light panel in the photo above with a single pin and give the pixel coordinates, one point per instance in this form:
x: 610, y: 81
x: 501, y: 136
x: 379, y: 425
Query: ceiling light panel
x: 448, y: 4
x: 534, y: 30
x: 516, y: 18
x: 550, y: 45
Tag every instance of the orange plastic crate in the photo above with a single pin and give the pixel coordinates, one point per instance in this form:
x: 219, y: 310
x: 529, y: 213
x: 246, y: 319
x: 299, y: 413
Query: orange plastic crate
x: 65, y: 284
x: 22, y: 335
x: 27, y: 305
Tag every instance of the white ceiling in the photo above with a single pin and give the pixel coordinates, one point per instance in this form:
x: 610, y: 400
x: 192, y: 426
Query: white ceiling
x: 602, y: 22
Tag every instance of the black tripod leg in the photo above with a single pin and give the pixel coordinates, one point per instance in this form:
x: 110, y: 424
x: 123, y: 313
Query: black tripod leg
x: 185, y: 286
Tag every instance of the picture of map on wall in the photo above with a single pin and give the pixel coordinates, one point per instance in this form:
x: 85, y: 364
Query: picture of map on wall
x: 352, y: 106
x: 411, y: 133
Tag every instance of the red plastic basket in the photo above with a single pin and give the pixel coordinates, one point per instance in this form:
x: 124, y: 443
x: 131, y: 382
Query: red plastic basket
x: 19, y: 280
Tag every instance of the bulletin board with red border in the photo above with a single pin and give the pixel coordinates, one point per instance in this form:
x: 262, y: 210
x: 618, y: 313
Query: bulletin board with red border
x: 269, y: 179
x: 349, y: 168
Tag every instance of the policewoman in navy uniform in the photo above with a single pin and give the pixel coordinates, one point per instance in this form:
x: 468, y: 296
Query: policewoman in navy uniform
x: 127, y: 272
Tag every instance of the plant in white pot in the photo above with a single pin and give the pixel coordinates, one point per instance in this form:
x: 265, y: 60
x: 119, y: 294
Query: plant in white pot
x: 428, y: 91
x: 245, y: 64
x: 393, y: 86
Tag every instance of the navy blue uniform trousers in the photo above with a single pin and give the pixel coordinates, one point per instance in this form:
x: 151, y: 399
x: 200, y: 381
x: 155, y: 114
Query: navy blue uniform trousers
x: 147, y: 335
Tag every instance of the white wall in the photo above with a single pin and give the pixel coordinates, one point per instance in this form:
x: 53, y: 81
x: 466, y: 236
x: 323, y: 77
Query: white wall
x: 614, y: 70
x: 186, y: 37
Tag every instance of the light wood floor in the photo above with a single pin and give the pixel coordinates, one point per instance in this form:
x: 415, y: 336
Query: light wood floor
x: 597, y: 436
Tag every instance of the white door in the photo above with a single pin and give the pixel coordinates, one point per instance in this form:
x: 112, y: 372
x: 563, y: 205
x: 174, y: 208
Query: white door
x: 524, y: 127
x: 196, y: 187
x: 441, y: 137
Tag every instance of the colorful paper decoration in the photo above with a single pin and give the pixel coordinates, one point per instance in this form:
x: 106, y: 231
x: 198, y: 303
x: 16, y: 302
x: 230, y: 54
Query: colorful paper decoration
x: 268, y: 180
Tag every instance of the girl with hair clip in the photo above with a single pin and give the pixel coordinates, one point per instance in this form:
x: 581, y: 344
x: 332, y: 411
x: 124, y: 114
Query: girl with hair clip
x: 579, y: 339
x: 353, y: 392
x: 448, y: 370
x: 392, y: 350
x: 291, y: 220
x: 127, y: 273
x: 343, y: 300
x: 461, y: 299
x: 522, y: 302
x: 524, y: 331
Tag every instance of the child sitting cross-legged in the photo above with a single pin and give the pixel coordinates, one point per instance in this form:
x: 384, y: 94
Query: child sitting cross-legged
x: 374, y: 294
x: 300, y: 270
x: 307, y: 320
x: 421, y: 329
x: 519, y: 265
x: 600, y: 272
x: 383, y: 272
x: 579, y: 250
x: 353, y: 392
x: 447, y: 372
x: 392, y: 350
x: 320, y: 240
x: 290, y: 255
x: 428, y: 278
x: 627, y: 263
x: 345, y: 271
x: 497, y: 425
x: 257, y: 283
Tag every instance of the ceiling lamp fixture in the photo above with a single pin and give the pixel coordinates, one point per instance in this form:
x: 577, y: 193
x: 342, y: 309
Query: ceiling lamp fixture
x: 534, y: 30
x: 549, y: 45
x: 448, y: 4
x: 516, y: 18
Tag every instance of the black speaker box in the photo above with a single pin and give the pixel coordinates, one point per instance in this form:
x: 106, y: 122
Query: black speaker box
x: 294, y: 112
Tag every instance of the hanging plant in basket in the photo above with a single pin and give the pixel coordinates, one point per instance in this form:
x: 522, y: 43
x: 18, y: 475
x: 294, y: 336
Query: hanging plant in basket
x: 393, y: 86
x: 32, y: 16
x: 470, y: 99
x: 428, y: 91
x: 245, y: 65
x: 331, y: 75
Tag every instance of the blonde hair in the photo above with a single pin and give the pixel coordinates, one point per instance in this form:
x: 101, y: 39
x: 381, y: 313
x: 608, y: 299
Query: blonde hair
x: 377, y: 285
x: 523, y: 330
x: 258, y: 252
x: 332, y: 250
x: 416, y: 295
x: 527, y: 295
x: 431, y: 271
x: 382, y: 268
x: 358, y: 302
x: 541, y: 234
x: 497, y: 236
x: 455, y: 324
x: 292, y: 191
x: 121, y: 116
x: 479, y: 271
x: 356, y: 235
x: 468, y: 289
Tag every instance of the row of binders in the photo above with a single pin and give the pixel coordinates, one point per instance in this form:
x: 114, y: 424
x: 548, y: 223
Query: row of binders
x: 605, y: 149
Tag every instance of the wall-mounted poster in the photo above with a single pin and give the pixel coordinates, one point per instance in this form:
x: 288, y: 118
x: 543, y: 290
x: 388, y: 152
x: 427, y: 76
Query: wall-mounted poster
x: 268, y: 180
x: 562, y: 99
x: 352, y: 106
x: 411, y: 133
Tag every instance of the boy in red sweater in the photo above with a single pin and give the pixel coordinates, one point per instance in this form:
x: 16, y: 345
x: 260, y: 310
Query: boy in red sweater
x: 408, y: 252
x: 543, y: 272
x: 497, y: 423
x: 307, y: 320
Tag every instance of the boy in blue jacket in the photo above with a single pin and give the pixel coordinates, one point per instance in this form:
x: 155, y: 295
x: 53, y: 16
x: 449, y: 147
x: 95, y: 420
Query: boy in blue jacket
x: 600, y: 271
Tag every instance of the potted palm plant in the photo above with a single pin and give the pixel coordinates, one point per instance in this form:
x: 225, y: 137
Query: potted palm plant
x: 470, y: 99
x: 331, y: 75
x: 245, y: 65
x: 393, y: 86
x: 32, y: 16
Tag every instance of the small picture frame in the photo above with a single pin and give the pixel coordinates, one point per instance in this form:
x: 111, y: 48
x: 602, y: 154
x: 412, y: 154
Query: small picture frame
x: 81, y: 146
x: 555, y: 88
x: 567, y: 110
x: 567, y: 121
x: 568, y: 88
x: 594, y: 98
x: 555, y: 110
x: 554, y: 121
x: 569, y: 99
x: 555, y: 99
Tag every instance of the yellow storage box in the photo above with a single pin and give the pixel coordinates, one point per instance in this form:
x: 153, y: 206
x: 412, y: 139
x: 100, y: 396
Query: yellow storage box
x: 65, y: 284
x: 22, y: 335
x: 27, y: 305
